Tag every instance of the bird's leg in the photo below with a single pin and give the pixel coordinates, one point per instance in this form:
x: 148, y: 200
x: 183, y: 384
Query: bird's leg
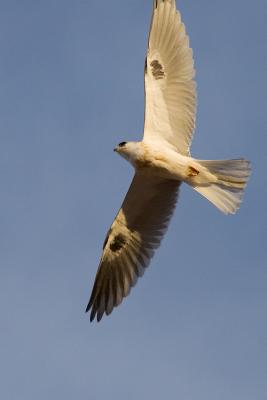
x: 192, y: 171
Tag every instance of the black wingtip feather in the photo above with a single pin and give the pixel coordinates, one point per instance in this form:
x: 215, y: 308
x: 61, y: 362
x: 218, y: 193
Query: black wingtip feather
x: 99, y: 317
x: 92, y: 317
x: 89, y: 305
x: 93, y: 313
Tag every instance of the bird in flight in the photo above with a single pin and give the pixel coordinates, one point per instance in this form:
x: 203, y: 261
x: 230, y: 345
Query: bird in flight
x: 162, y: 161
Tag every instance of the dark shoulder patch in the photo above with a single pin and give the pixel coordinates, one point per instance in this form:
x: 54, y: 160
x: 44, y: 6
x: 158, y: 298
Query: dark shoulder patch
x: 157, y: 70
x: 117, y: 243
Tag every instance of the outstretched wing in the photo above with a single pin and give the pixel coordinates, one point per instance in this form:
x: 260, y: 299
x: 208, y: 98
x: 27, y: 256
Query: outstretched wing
x: 131, y: 241
x: 170, y: 108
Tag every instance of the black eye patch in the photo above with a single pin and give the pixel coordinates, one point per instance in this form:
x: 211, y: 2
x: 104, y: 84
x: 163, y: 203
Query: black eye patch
x: 122, y: 144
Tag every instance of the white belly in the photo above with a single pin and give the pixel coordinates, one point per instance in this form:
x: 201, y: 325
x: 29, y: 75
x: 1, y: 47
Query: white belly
x: 165, y: 162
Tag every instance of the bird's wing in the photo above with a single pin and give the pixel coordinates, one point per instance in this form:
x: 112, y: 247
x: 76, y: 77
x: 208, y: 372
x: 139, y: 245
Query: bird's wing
x: 131, y: 241
x: 170, y: 108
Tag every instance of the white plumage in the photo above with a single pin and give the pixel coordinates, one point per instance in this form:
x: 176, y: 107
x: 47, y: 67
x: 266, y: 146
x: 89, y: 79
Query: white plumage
x: 162, y: 162
x: 170, y: 110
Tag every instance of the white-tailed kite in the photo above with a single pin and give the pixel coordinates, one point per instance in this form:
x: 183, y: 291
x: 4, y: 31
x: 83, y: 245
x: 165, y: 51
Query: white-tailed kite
x: 162, y: 162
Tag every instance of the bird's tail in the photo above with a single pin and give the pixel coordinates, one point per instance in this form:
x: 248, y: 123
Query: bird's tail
x: 229, y: 179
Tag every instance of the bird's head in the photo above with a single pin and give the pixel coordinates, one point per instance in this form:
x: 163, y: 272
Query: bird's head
x: 121, y: 148
x: 127, y: 150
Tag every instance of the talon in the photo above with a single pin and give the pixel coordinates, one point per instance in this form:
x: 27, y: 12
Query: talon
x: 192, y: 171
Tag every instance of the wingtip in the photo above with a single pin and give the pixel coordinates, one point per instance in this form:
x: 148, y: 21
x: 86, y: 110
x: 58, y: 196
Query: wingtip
x: 99, y: 317
x: 89, y: 305
x: 156, y: 3
x: 92, y: 317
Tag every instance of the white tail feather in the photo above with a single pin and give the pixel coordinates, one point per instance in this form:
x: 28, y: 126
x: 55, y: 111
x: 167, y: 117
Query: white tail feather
x: 231, y: 177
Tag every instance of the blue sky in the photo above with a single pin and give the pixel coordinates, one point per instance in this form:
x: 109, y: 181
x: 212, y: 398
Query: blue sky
x: 195, y: 326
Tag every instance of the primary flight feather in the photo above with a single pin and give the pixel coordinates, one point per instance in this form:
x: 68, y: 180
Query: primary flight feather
x: 162, y: 162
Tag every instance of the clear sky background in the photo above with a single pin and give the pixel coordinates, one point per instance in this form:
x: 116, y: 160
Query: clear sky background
x: 195, y: 326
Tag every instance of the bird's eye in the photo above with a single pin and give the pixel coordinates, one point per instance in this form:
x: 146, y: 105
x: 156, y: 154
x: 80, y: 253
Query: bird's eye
x: 122, y: 144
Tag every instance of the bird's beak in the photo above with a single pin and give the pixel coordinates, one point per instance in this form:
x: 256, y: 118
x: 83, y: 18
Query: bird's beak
x: 115, y: 149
